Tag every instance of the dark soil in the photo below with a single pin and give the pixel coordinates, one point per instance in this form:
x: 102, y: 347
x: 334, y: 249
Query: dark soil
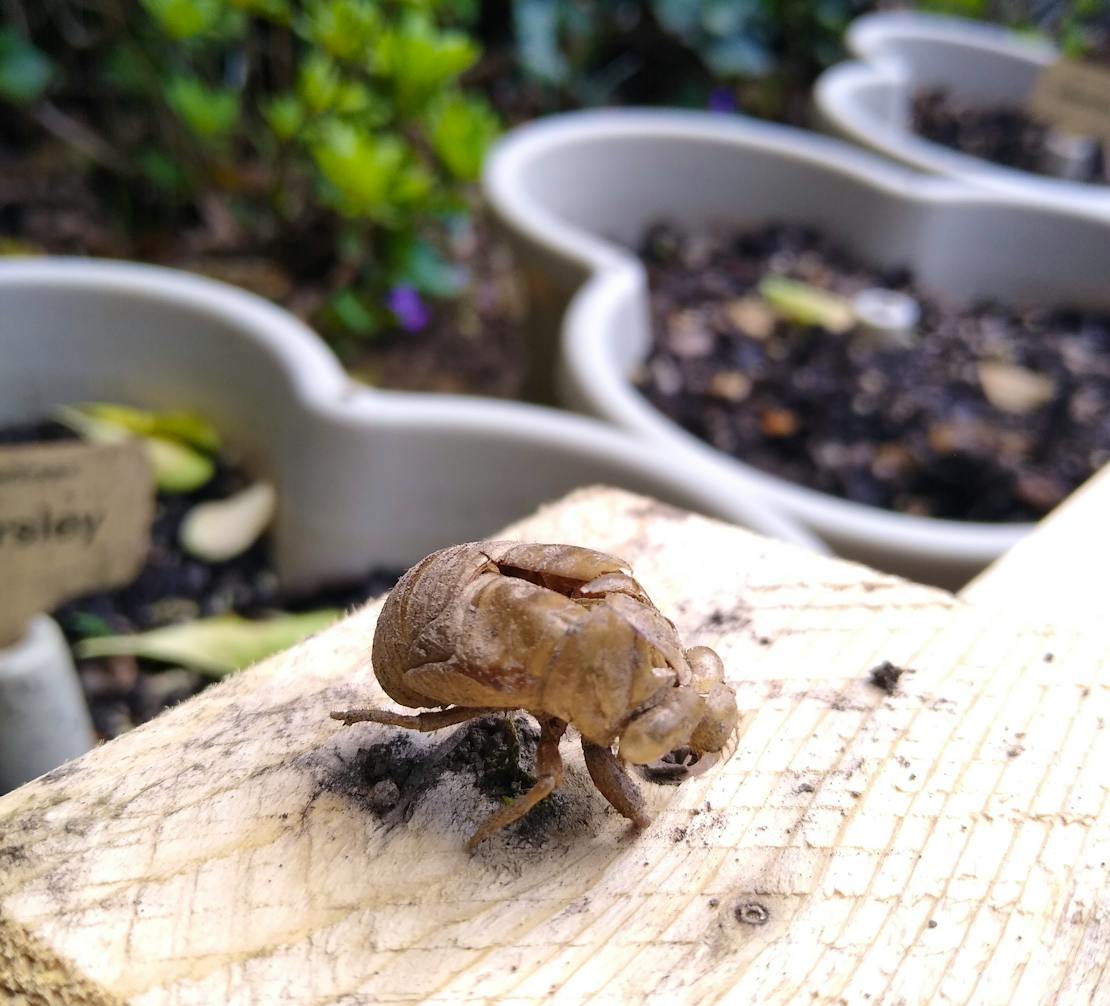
x: 1004, y: 134
x: 497, y: 750
x: 50, y: 204
x: 885, y: 676
x: 174, y: 587
x: 909, y: 429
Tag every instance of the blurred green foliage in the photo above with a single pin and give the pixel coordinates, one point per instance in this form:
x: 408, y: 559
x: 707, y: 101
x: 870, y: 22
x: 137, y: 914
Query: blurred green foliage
x: 759, y: 54
x: 1081, y: 28
x: 337, y: 129
x: 675, y: 51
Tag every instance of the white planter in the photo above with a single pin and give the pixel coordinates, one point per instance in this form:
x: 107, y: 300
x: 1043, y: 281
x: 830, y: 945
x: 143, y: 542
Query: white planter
x: 365, y: 478
x: 565, y: 187
x: 869, y: 100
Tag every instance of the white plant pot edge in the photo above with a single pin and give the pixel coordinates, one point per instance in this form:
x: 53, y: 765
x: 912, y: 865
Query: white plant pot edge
x: 840, y: 111
x: 317, y: 385
x: 868, y: 35
x: 586, y: 369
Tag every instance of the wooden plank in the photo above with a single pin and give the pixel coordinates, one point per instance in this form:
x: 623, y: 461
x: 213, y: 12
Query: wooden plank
x: 1059, y: 573
x: 948, y: 842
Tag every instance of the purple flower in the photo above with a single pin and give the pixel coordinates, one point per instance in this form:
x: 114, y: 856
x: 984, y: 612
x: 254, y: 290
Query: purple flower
x: 721, y: 99
x: 410, y: 311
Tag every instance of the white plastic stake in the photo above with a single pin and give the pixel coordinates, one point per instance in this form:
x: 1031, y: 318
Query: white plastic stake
x: 44, y: 720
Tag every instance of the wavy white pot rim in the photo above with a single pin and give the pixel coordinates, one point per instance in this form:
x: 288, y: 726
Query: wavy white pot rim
x: 321, y: 385
x: 504, y: 178
x: 617, y: 274
x: 869, y: 38
x: 867, y: 35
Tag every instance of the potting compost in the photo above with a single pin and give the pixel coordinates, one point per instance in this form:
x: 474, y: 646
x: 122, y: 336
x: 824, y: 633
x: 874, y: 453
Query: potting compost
x: 980, y: 412
x: 1002, y: 134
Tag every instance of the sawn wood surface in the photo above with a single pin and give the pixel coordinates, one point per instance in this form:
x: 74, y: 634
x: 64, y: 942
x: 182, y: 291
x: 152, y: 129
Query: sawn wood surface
x: 947, y: 843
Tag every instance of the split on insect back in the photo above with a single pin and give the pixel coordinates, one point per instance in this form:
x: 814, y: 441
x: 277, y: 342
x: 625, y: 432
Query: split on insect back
x: 562, y: 632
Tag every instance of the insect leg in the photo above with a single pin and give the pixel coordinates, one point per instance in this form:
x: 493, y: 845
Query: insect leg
x: 549, y: 770
x: 614, y: 783
x: 424, y: 722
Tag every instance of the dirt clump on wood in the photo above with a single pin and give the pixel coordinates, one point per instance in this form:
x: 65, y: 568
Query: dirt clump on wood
x: 885, y: 676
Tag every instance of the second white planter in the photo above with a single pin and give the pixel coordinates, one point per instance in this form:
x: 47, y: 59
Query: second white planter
x: 571, y: 190
x: 868, y: 100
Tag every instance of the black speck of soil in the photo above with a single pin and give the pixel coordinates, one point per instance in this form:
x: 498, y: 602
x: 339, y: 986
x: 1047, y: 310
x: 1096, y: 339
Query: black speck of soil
x: 987, y: 412
x: 678, y: 834
x: 752, y: 913
x: 1014, y: 751
x: 855, y: 794
x: 714, y: 902
x: 1049, y: 657
x: 885, y: 676
x: 932, y: 924
x: 805, y: 788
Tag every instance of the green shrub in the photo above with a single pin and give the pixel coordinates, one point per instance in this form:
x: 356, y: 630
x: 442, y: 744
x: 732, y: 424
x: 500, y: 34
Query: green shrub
x: 335, y: 131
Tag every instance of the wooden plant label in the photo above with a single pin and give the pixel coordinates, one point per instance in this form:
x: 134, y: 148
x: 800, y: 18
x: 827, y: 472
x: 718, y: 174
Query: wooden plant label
x: 1075, y: 97
x: 74, y: 517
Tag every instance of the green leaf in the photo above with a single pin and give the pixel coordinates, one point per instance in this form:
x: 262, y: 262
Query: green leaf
x: 25, y: 72
x: 270, y: 10
x: 123, y: 69
x: 162, y: 171
x: 352, y: 314
x: 185, y: 19
x: 209, y: 112
x: 420, y: 265
x: 419, y: 59
x: 178, y: 468
x: 216, y: 646
x: 285, y: 115
x: 738, y: 57
x: 680, y: 17
x: 808, y: 305
x: 86, y: 624
x: 536, y: 30
x: 724, y: 18
x: 412, y: 186
x: 318, y: 82
x: 184, y: 427
x: 345, y: 29
x: 461, y: 130
x: 363, y: 170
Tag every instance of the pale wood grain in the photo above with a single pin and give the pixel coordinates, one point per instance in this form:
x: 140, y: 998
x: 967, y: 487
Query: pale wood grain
x: 948, y: 843
x: 1060, y: 571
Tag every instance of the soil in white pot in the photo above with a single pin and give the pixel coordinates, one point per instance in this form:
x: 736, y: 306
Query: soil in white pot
x: 1003, y: 134
x: 974, y: 412
x: 172, y: 588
